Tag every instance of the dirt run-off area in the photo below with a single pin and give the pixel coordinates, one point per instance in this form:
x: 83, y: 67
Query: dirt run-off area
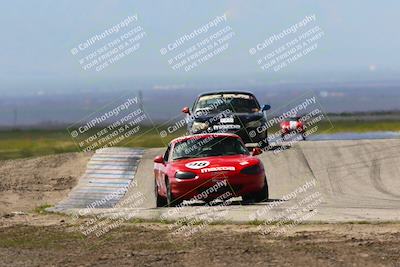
x: 50, y: 240
x: 28, y: 183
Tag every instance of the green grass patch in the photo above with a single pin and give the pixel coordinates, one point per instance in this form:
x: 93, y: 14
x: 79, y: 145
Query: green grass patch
x: 29, y: 237
x: 351, y: 126
x: 32, y: 143
x: 42, y: 209
x: 360, y: 126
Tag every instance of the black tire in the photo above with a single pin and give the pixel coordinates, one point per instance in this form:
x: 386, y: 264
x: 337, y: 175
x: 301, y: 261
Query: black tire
x: 171, y: 201
x: 248, y: 199
x: 161, y: 201
x: 264, y: 145
x: 263, y: 195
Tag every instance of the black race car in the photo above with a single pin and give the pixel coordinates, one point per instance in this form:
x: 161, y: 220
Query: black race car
x: 229, y: 111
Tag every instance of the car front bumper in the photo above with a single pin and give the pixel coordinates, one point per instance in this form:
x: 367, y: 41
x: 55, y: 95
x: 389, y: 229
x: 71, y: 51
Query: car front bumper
x: 215, y: 185
x: 248, y: 135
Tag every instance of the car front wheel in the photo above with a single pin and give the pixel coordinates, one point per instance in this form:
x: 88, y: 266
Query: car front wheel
x: 171, y: 201
x: 161, y: 201
x: 260, y: 196
x: 263, y: 194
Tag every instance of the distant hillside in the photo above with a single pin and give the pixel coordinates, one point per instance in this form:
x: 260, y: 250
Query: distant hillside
x: 165, y: 102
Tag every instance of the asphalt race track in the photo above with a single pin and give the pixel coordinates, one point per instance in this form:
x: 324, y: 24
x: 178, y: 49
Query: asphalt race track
x: 317, y: 181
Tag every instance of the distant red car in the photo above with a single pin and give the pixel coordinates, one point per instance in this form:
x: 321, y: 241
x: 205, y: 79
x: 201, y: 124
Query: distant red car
x: 207, y: 166
x: 292, y: 125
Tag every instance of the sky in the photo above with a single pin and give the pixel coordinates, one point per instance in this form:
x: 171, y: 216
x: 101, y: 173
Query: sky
x: 360, y: 42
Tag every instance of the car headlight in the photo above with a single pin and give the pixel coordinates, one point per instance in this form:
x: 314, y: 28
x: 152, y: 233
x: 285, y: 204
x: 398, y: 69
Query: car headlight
x: 253, y: 124
x: 185, y: 175
x: 199, y: 126
x: 251, y: 170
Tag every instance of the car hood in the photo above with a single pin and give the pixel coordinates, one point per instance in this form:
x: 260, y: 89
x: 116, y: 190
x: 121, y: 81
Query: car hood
x: 215, y: 164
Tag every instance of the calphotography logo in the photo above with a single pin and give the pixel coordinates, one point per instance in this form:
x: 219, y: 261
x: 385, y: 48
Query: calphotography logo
x: 289, y: 49
x: 111, y: 45
x: 200, y: 45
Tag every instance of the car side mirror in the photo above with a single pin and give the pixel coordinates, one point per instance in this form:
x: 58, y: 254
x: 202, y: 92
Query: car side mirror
x: 186, y: 110
x: 266, y: 107
x: 159, y: 159
x: 256, y: 151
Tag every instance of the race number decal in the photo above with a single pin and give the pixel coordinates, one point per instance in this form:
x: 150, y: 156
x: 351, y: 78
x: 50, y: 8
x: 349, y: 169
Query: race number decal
x: 197, y: 164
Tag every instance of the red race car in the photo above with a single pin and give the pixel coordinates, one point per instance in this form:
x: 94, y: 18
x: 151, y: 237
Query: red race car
x: 206, y: 167
x: 292, y: 125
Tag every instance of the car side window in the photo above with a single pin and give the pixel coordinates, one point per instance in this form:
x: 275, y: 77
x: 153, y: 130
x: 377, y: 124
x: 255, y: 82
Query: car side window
x: 166, y: 155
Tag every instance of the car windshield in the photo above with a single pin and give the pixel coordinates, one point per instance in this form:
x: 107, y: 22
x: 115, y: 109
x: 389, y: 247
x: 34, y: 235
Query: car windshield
x: 240, y: 103
x: 208, y: 147
x: 292, y: 119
